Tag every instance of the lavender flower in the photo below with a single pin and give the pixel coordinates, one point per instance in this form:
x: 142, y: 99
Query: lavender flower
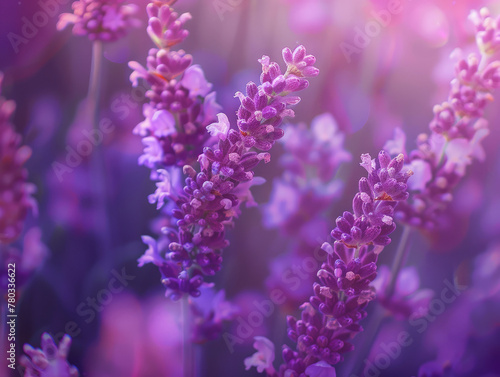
x: 457, y: 130
x: 15, y: 192
x: 211, y: 198
x: 50, y: 360
x: 332, y: 315
x: 181, y: 102
x: 104, y: 20
x: 487, y: 31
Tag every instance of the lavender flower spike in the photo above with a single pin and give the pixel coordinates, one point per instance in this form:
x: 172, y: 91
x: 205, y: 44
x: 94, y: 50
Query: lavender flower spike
x: 332, y: 315
x: 457, y: 129
x: 211, y: 198
x: 50, y: 360
x: 104, y: 20
x: 181, y: 103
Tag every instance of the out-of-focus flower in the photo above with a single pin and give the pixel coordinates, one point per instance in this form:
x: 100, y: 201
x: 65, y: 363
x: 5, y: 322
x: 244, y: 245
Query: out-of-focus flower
x: 15, y: 191
x: 209, y: 311
x: 487, y: 31
x: 16, y: 201
x: 407, y: 299
x: 104, y: 20
x: 27, y: 260
x: 307, y: 186
x: 263, y: 358
x: 50, y: 360
x: 137, y: 337
x: 457, y: 130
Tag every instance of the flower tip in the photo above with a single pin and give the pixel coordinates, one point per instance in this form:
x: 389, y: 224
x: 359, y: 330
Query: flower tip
x: 327, y: 248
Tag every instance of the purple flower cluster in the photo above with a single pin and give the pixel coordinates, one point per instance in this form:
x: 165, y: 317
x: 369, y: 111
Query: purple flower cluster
x: 487, y: 31
x: 50, y: 360
x: 15, y: 192
x: 103, y: 20
x: 211, y: 198
x: 181, y: 104
x: 457, y: 129
x: 332, y: 315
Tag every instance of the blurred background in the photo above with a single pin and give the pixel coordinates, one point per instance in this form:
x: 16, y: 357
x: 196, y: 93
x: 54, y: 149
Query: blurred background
x: 90, y: 286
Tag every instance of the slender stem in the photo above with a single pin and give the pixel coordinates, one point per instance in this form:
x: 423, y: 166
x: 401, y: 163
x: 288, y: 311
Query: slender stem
x: 187, y: 354
x: 399, y: 258
x: 97, y: 159
x: 95, y: 81
x: 377, y: 317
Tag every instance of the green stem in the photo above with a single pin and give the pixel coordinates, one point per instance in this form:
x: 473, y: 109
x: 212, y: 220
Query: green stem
x: 399, y: 258
x: 187, y: 354
x: 377, y: 317
x: 97, y: 165
x: 95, y: 82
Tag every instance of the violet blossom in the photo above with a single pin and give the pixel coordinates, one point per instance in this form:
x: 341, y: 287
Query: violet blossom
x: 457, y: 130
x: 181, y: 103
x: 103, y: 20
x: 191, y: 247
x: 332, y: 315
x: 50, y: 360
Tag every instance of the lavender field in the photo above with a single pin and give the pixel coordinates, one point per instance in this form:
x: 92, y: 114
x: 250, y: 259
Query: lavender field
x: 281, y: 188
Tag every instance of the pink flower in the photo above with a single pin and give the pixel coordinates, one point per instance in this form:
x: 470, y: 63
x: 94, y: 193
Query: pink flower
x: 50, y: 361
x: 194, y: 80
x: 220, y: 128
x: 263, y: 358
x: 162, y: 123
